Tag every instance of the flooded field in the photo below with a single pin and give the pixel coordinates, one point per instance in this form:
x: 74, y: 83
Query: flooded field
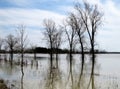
x: 63, y: 73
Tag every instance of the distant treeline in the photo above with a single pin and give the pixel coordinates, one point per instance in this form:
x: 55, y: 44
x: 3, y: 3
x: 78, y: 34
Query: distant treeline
x: 48, y: 50
x: 39, y: 50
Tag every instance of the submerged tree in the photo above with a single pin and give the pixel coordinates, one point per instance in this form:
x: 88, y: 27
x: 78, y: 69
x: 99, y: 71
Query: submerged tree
x: 12, y: 42
x: 1, y: 43
x: 79, y: 28
x: 71, y: 35
x: 53, y: 36
x: 58, y: 38
x: 91, y: 17
x: 23, y: 42
x: 58, y: 41
x: 33, y: 47
x: 50, y: 35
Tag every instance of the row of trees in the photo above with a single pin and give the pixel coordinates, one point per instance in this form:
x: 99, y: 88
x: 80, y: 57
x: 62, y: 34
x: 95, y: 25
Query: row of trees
x: 12, y: 42
x: 80, y: 28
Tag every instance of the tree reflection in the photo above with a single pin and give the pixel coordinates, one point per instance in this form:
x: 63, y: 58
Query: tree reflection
x: 34, y: 63
x: 53, y: 77
x: 71, y: 72
x: 57, y: 58
x: 93, y: 72
x: 92, y: 75
x: 81, y: 71
x: 82, y: 76
x: 75, y: 77
x: 22, y: 72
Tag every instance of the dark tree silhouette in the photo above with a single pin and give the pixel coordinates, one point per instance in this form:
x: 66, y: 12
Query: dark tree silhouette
x: 33, y: 47
x: 91, y: 17
x: 5, y: 47
x: 12, y: 42
x: 79, y: 28
x: 50, y: 35
x: 1, y: 43
x: 71, y: 35
x: 58, y: 42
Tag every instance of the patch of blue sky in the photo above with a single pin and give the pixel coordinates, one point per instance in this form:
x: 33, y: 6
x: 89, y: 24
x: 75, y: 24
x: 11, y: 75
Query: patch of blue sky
x: 32, y: 4
x: 7, y: 27
x: 4, y: 4
x: 51, y: 5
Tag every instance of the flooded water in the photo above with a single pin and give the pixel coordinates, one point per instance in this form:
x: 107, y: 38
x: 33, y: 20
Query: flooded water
x: 37, y: 73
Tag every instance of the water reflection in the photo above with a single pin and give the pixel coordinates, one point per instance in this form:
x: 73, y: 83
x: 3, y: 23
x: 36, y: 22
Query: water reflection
x: 81, y: 72
x: 22, y: 75
x: 53, y: 78
x: 34, y: 63
x: 71, y: 71
x: 91, y: 81
x: 61, y: 72
x: 83, y: 76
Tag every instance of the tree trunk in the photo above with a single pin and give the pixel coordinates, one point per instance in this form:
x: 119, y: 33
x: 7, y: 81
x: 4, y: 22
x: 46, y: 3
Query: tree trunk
x: 22, y: 55
x: 34, y: 54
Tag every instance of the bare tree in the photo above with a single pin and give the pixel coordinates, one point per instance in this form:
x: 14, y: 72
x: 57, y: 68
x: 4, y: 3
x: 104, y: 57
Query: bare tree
x: 5, y: 47
x: 23, y: 41
x: 33, y: 46
x: 1, y: 43
x: 50, y: 34
x: 12, y: 42
x: 53, y: 35
x: 70, y: 33
x: 91, y: 17
x: 58, y: 41
x: 79, y: 27
x: 58, y: 38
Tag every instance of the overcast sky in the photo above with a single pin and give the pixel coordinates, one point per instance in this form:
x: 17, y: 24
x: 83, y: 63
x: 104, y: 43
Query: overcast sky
x: 32, y: 12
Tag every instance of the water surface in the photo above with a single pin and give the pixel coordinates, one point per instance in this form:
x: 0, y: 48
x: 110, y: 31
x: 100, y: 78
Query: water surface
x: 64, y: 73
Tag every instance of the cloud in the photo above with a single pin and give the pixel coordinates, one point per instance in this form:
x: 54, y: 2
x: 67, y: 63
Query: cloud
x: 108, y: 40
x: 30, y: 17
x: 107, y: 36
x: 35, y: 37
x: 109, y: 33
